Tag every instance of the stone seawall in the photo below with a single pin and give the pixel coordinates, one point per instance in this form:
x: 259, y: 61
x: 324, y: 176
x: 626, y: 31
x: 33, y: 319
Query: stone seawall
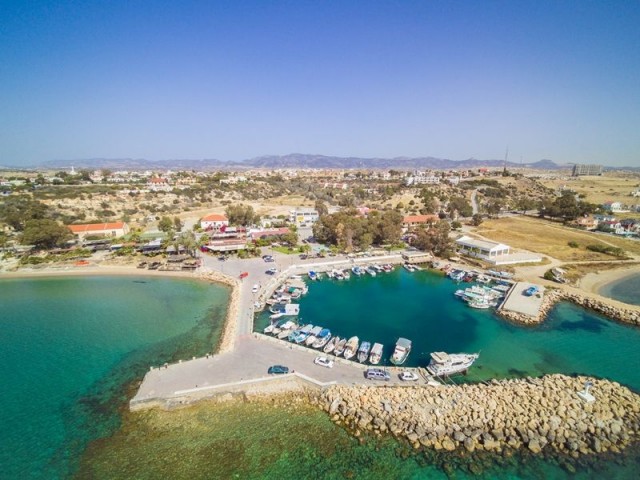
x: 536, y: 414
x: 629, y: 315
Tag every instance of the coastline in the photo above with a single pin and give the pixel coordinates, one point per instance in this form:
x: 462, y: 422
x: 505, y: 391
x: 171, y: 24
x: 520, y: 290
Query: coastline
x: 596, y: 282
x: 227, y: 336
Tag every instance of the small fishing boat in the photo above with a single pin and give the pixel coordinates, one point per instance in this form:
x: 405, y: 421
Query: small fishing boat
x: 401, y: 352
x: 481, y: 303
x: 339, y: 348
x: 302, y: 334
x: 338, y: 275
x: 346, y: 274
x: 357, y: 270
x: 378, y: 268
x: 371, y: 271
x: 409, y: 267
x: 363, y: 352
x: 376, y: 353
x: 331, y: 345
x: 351, y: 347
x: 313, y: 335
x: 322, y: 338
x: 313, y: 275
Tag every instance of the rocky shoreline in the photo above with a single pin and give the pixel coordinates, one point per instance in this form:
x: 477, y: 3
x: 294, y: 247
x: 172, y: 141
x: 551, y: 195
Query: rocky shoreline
x: 628, y: 315
x: 539, y: 415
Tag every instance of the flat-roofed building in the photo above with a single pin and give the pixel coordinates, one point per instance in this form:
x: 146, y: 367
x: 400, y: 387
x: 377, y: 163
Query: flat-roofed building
x: 302, y: 217
x: 493, y: 252
x: 482, y: 248
x: 579, y: 170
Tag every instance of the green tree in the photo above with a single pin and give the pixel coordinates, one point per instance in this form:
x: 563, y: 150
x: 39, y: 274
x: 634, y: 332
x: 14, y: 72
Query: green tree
x: 177, y: 224
x: 45, y: 233
x: 243, y: 215
x: 17, y: 211
x: 321, y: 207
x: 165, y: 224
x: 435, y: 239
x: 476, y: 219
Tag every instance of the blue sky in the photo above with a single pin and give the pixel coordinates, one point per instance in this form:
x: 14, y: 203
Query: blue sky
x: 233, y: 80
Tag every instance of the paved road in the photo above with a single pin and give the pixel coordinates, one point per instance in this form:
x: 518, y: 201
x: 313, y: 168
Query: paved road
x: 249, y: 361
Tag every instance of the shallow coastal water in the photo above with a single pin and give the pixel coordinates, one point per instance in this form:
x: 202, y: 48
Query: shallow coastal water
x: 71, y: 345
x: 626, y: 290
x: 239, y: 440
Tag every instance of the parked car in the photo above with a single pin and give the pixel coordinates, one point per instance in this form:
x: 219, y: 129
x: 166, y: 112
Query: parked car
x: 377, y: 374
x: 324, y: 362
x: 278, y: 370
x: 272, y: 271
x: 255, y: 288
x: 303, y: 256
x: 408, y: 376
x: 268, y: 258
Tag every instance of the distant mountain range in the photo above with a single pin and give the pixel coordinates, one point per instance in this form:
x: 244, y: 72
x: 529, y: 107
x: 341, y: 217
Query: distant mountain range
x: 294, y: 160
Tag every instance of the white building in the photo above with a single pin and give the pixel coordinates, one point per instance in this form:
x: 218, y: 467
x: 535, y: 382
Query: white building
x: 214, y: 221
x: 114, y: 229
x: 303, y: 217
x: 492, y: 252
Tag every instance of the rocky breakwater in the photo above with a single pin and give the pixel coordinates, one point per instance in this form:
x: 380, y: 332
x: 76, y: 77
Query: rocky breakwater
x: 543, y: 414
x: 629, y: 315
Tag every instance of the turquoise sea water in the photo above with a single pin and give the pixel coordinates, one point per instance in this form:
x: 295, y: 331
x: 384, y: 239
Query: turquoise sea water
x: 70, y: 351
x: 70, y: 345
x: 422, y: 307
x: 626, y: 290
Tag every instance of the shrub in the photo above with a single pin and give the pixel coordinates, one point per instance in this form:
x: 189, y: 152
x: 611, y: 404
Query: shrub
x: 606, y: 249
x: 573, y: 244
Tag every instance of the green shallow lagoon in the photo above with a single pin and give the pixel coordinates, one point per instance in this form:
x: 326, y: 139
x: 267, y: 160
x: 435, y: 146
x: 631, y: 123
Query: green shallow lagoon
x: 71, y: 345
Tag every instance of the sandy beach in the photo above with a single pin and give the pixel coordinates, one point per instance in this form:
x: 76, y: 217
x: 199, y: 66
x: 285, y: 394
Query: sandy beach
x: 595, y: 282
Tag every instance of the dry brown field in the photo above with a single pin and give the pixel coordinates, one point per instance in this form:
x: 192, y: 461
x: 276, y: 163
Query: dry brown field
x: 549, y: 238
x: 612, y: 186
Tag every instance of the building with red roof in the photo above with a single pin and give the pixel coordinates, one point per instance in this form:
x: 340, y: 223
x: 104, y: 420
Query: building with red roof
x: 214, y: 221
x: 113, y: 229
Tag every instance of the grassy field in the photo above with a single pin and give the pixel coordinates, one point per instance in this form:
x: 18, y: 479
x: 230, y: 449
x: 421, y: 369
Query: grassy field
x: 552, y: 239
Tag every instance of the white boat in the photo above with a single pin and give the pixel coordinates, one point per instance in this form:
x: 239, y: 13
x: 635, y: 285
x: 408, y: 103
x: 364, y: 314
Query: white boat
x: 269, y: 328
x: 313, y: 275
x: 363, y: 352
x: 376, y: 354
x: 445, y: 364
x: 409, y: 267
x: 346, y: 274
x: 313, y: 335
x: 378, y: 268
x: 322, y: 338
x: 351, y: 347
x: 330, y: 274
x: 331, y: 345
x: 357, y: 270
x: 276, y: 316
x: 401, y: 352
x: 371, y: 271
x: 481, y: 303
x: 301, y: 335
x: 339, y: 348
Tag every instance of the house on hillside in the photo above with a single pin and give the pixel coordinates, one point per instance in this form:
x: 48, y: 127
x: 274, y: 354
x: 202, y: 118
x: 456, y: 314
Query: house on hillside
x: 114, y: 229
x: 614, y: 207
x: 411, y: 221
x: 214, y: 221
x: 587, y: 222
x: 158, y: 184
